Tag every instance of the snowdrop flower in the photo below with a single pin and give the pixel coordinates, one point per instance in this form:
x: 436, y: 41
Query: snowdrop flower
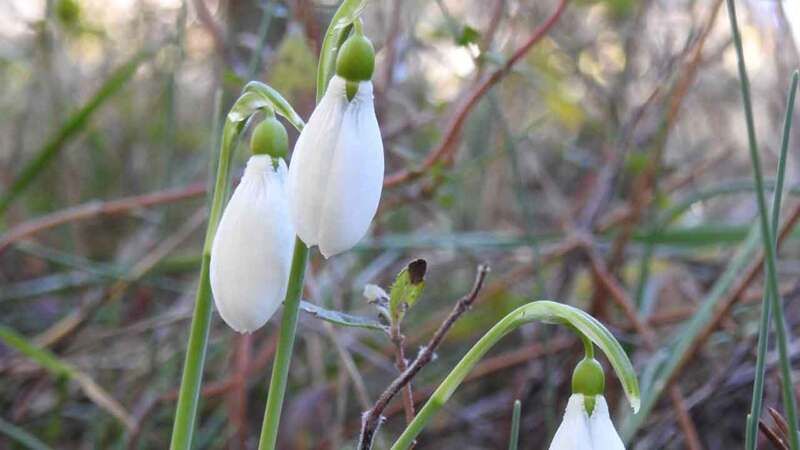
x: 336, y: 172
x: 252, y: 249
x: 587, y: 424
x: 582, y: 431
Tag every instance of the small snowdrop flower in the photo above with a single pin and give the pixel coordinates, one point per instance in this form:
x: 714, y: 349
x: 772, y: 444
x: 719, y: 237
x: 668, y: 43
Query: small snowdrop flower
x: 587, y: 424
x: 336, y: 172
x: 252, y: 249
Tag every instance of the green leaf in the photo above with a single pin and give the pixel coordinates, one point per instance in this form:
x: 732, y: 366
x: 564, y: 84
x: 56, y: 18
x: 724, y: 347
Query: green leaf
x: 59, y: 368
x: 348, y: 12
x: 21, y: 436
x: 407, y: 288
x: 543, y: 311
x: 258, y: 95
x: 468, y: 36
x: 76, y: 123
x: 293, y: 68
x: 340, y: 318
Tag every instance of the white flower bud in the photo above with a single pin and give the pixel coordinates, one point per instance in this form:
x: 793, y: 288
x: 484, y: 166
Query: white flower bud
x: 252, y: 249
x: 579, y: 431
x: 336, y: 172
x: 374, y: 293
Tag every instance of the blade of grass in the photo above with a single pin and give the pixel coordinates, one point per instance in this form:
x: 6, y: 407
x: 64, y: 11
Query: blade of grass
x: 514, y: 438
x: 766, y: 306
x: 59, y: 368
x: 263, y: 29
x: 21, y: 436
x: 74, y: 125
x: 782, y: 334
x: 664, y: 368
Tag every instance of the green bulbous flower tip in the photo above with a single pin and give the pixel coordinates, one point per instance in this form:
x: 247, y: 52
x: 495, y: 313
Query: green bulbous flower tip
x: 356, y: 59
x: 68, y: 11
x: 270, y: 138
x: 588, y: 378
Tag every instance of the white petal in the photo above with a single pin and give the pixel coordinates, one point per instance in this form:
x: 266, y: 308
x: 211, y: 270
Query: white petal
x: 373, y: 293
x: 573, y: 433
x: 355, y: 181
x: 252, y: 249
x: 604, y: 435
x: 311, y: 159
x: 336, y: 173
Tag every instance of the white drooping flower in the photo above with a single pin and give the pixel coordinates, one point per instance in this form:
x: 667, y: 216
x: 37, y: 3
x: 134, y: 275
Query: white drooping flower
x: 252, y: 249
x: 336, y: 172
x: 580, y: 431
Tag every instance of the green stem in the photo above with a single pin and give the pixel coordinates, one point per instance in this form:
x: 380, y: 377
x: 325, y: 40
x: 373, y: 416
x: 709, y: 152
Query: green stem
x: 283, y: 354
x: 588, y: 347
x: 546, y: 311
x: 188, y: 397
x: 766, y: 308
x: 789, y: 402
x: 513, y: 441
x: 348, y: 12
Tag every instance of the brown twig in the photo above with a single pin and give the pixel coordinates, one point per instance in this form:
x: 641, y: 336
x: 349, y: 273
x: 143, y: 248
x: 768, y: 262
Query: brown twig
x: 734, y: 294
x: 398, y: 340
x: 390, y: 47
x: 217, y: 35
x: 71, y: 323
x: 237, y: 398
x: 778, y: 434
x: 445, y: 150
x: 97, y: 208
x: 372, y: 418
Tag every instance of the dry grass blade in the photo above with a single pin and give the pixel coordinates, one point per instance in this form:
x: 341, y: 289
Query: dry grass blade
x: 57, y: 367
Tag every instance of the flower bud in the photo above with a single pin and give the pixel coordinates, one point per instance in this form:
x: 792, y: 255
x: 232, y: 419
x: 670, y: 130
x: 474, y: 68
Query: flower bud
x: 588, y: 378
x: 252, y: 249
x: 336, y: 172
x: 356, y: 58
x: 270, y: 138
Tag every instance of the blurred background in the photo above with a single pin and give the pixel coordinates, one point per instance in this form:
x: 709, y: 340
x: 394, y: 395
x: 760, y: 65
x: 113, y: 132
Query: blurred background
x: 608, y: 169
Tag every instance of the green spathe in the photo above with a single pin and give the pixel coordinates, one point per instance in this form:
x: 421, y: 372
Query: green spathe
x: 270, y: 138
x: 356, y: 59
x: 588, y: 379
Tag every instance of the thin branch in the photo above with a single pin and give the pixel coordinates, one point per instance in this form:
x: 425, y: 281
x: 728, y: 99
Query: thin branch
x: 372, y: 418
x: 445, y: 150
x: 734, y: 294
x: 398, y: 340
x: 96, y: 208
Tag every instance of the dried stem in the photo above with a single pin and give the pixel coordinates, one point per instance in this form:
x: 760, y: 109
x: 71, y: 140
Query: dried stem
x: 398, y: 340
x: 446, y: 148
x: 372, y: 418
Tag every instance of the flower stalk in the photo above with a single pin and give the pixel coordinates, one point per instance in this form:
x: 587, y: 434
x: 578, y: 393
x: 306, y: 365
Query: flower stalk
x: 347, y: 13
x: 255, y: 97
x: 545, y: 311
x: 283, y: 353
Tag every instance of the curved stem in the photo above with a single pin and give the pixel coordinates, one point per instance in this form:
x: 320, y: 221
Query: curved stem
x: 546, y: 311
x: 283, y: 354
x: 188, y: 396
x: 588, y: 347
x: 254, y: 98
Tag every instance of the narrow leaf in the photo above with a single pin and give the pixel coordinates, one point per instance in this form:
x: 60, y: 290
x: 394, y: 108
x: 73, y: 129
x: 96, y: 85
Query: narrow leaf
x: 348, y: 12
x: 340, y: 318
x: 74, y: 125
